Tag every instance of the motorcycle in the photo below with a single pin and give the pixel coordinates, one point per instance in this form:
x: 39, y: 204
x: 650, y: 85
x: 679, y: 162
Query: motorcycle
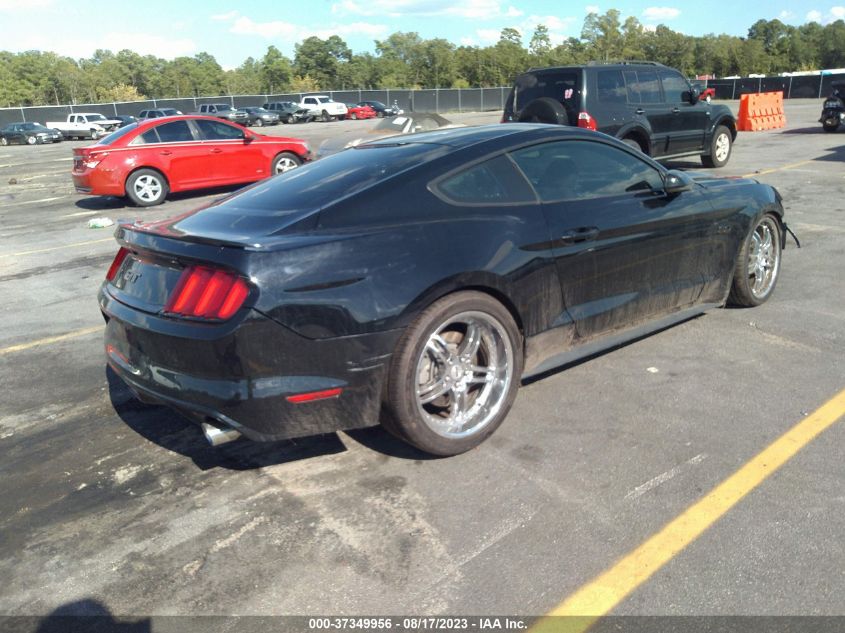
x: 833, y: 109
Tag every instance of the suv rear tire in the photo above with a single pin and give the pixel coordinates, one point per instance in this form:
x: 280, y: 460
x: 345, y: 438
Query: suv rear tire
x: 545, y: 110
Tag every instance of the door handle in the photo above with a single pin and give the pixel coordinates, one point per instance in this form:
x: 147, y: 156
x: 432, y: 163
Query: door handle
x: 639, y: 111
x: 165, y: 152
x: 675, y: 110
x: 216, y: 150
x: 581, y: 234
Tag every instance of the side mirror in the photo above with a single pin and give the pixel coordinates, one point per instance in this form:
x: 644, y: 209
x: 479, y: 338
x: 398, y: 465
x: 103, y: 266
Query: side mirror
x: 248, y: 138
x: 692, y: 95
x: 675, y: 182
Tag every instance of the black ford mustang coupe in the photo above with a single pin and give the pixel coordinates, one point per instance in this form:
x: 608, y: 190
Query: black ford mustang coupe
x: 413, y: 281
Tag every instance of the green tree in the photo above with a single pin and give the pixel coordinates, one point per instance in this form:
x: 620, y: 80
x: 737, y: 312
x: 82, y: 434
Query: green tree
x: 274, y: 71
x: 603, y: 36
x: 321, y: 59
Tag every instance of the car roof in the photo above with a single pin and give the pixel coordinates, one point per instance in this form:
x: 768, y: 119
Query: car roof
x: 461, y: 137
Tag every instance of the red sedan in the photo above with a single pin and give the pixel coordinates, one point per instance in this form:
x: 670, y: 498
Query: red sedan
x: 359, y: 112
x: 147, y: 160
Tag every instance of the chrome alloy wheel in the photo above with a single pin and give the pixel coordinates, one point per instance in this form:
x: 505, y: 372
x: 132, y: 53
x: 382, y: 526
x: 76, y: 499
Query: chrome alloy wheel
x: 148, y: 188
x: 764, y: 257
x: 723, y: 147
x: 464, y: 374
x: 285, y: 164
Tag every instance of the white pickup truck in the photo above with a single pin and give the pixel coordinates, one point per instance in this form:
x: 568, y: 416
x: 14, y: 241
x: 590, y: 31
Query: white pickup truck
x: 84, y: 125
x: 323, y: 107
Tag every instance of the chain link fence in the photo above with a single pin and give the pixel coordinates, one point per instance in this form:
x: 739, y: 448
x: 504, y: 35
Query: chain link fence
x: 430, y: 100
x: 434, y: 100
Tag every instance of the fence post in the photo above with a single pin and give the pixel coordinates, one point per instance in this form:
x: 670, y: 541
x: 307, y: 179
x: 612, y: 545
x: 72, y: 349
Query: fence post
x: 759, y: 85
x: 459, y: 100
x: 481, y: 107
x: 821, y: 81
x: 23, y: 114
x: 114, y: 107
x: 789, y: 90
x: 437, y: 100
x: 733, y: 91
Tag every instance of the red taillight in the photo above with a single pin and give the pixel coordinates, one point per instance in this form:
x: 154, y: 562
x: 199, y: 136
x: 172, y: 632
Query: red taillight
x: 207, y: 293
x: 118, y: 260
x: 586, y: 121
x: 311, y: 396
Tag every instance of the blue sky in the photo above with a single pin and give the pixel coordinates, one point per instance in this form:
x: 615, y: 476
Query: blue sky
x: 232, y: 31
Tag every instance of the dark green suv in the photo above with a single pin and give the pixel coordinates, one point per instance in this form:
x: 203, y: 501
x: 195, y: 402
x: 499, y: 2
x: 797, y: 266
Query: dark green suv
x: 649, y: 106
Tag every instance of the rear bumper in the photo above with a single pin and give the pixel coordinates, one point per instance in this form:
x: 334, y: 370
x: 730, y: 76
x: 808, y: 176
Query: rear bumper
x: 241, y: 374
x: 99, y: 182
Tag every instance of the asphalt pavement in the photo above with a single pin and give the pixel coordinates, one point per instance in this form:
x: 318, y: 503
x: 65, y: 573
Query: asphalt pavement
x: 111, y: 506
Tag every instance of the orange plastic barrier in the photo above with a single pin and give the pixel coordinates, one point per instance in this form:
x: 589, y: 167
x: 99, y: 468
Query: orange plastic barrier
x: 761, y: 111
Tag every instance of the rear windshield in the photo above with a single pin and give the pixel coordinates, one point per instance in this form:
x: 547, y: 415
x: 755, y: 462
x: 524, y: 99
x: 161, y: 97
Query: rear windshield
x: 561, y: 86
x: 329, y: 179
x: 121, y: 131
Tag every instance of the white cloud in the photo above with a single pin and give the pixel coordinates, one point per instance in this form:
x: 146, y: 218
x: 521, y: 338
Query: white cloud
x: 814, y: 16
x: 17, y: 5
x: 468, y: 41
x: 592, y: 8
x: 655, y: 14
x: 225, y: 17
x: 142, y: 43
x: 785, y: 15
x: 488, y: 36
x: 558, y: 27
x: 469, y: 9
x: 278, y: 29
x: 837, y: 12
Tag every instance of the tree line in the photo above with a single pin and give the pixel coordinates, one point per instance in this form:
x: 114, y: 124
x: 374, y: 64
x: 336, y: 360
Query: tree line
x: 406, y: 60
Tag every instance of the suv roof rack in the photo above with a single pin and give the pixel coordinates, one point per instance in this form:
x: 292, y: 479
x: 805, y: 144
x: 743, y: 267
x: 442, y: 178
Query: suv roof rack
x: 623, y: 62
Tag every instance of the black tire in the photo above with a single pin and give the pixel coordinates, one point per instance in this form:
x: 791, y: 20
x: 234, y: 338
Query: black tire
x: 744, y: 288
x: 719, y: 156
x: 353, y: 116
x: 146, y: 187
x: 380, y: 115
x: 324, y: 116
x: 31, y: 140
x: 288, y: 119
x: 4, y: 141
x: 284, y: 162
x: 545, y: 110
x: 830, y: 127
x: 498, y: 343
x: 708, y: 98
x: 259, y: 122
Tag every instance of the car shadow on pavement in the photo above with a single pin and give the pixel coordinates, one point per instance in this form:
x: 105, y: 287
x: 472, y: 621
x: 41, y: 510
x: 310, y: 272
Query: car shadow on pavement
x: 173, y: 432
x: 107, y: 203
x: 80, y: 616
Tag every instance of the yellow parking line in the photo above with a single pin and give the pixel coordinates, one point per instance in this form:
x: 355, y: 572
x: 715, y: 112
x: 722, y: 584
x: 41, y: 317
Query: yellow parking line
x: 56, y: 248
x: 604, y: 593
x: 50, y: 339
x: 774, y: 169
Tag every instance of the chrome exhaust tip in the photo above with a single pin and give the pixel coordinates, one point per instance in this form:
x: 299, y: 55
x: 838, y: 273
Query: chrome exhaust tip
x: 217, y: 435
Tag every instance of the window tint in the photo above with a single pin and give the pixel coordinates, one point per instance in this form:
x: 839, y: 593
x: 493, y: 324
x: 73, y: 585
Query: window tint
x: 580, y: 170
x: 674, y: 86
x: 150, y: 136
x: 217, y: 131
x: 563, y: 87
x: 333, y: 177
x: 649, y: 86
x: 494, y: 181
x: 632, y: 85
x: 175, y: 132
x: 611, y: 86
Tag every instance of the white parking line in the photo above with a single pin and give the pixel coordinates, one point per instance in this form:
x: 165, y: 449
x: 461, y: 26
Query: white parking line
x: 640, y: 490
x: 79, y: 213
x: 39, y: 201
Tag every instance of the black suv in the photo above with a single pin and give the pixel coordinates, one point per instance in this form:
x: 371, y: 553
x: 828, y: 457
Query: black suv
x: 648, y: 105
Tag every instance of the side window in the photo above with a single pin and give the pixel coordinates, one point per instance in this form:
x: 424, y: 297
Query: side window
x: 649, y: 86
x: 150, y: 136
x: 581, y: 170
x: 632, y: 85
x: 175, y: 132
x: 142, y: 114
x: 495, y: 181
x: 611, y: 86
x: 674, y: 86
x: 217, y: 131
